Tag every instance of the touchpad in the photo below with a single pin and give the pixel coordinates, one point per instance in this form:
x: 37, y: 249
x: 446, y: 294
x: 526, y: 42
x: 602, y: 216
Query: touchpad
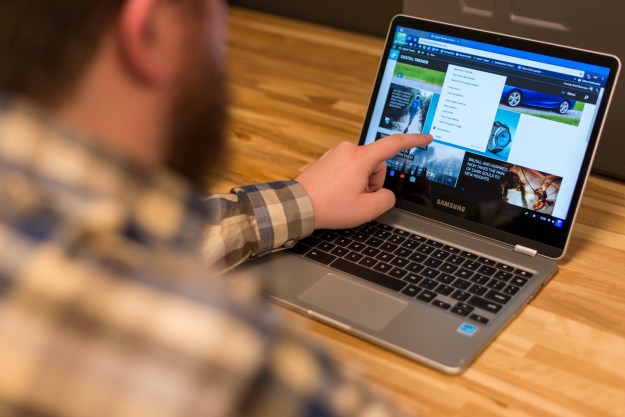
x: 353, y: 301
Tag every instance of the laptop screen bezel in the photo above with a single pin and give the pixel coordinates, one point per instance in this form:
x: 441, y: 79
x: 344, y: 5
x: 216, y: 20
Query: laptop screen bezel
x: 553, y: 249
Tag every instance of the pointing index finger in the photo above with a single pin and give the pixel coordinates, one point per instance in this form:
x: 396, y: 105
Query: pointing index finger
x: 385, y: 148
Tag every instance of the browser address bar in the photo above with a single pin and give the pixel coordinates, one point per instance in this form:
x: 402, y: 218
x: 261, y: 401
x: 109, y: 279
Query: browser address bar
x: 501, y: 57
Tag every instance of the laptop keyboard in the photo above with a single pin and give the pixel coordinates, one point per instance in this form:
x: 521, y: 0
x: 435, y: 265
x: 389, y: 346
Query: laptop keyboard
x: 432, y: 272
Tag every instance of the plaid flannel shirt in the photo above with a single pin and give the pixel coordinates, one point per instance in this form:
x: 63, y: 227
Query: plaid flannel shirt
x: 106, y: 308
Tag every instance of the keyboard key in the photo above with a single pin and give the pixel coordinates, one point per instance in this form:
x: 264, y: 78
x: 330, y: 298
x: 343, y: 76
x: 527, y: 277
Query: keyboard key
x: 480, y: 279
x: 382, y: 234
x: 411, y: 290
x: 403, y: 252
x: 440, y: 254
x: 472, y: 265
x: 327, y: 236
x: 503, y: 275
x: 434, y: 243
x: 398, y: 273
x: 463, y: 273
x: 382, y: 267
x: 356, y: 246
x: 374, y: 241
x: 433, y: 262
x: 428, y: 284
x: 426, y: 296
x: 456, y: 259
x: 339, y: 251
x: 444, y: 289
x: 417, y: 237
x: 524, y: 274
x: 487, y: 261
x: 368, y: 262
x: 388, y: 247
x: 505, y: 267
x: 497, y: 297
x: 445, y: 278
x: 487, y: 270
x: 396, y: 239
x: 345, y: 232
x: 415, y: 267
x: 462, y: 309
x: 441, y: 304
x: 460, y: 295
x: 360, y: 236
x: 478, y: 318
x: 401, y: 232
x: 468, y: 255
x: 496, y: 285
x: 410, y: 244
x: 511, y: 290
x: 369, y: 275
x: 477, y: 289
x: 425, y: 249
x: 320, y: 256
x: 400, y: 262
x: 451, y: 249
x: 448, y: 268
x: 326, y: 246
x: 384, y: 256
x: 417, y: 257
x: 489, y: 306
x: 372, y: 252
x: 461, y: 284
x: 343, y: 241
x: 429, y: 273
x: 353, y: 257
x: 368, y: 229
x: 412, y: 278
x: 386, y: 227
x: 518, y: 281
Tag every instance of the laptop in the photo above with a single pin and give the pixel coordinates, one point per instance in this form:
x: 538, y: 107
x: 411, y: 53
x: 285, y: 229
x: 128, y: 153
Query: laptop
x: 482, y: 213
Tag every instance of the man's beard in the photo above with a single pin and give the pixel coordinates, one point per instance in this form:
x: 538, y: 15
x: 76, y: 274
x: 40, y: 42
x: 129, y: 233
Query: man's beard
x: 199, y: 115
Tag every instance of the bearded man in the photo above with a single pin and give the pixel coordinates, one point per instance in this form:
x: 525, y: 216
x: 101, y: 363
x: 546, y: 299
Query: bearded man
x: 112, y: 113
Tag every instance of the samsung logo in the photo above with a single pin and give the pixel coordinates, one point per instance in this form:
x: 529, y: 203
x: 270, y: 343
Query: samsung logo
x: 449, y: 205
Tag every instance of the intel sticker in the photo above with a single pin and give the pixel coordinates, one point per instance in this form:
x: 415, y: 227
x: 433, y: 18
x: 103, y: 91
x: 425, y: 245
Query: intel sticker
x: 467, y: 329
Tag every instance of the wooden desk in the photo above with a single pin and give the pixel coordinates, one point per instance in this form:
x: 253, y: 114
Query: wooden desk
x: 298, y: 90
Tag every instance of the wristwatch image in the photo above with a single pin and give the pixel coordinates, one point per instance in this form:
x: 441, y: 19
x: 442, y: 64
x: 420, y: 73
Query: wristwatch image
x: 499, y: 137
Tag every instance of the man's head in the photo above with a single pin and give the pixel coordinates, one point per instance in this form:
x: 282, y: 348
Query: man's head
x: 96, y: 60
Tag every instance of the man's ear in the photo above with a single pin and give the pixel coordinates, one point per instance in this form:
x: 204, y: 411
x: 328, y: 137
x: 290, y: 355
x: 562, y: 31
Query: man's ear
x: 149, y: 54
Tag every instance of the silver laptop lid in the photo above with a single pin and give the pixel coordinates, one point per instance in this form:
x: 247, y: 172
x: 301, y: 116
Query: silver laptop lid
x: 515, y: 125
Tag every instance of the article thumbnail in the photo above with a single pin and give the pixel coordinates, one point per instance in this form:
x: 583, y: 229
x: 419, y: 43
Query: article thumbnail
x: 409, y: 98
x: 405, y: 109
x: 534, y: 103
x: 502, y: 134
x: 513, y: 184
x: 436, y: 162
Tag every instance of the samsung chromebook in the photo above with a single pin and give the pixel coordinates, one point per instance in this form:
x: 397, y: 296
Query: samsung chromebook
x: 482, y: 212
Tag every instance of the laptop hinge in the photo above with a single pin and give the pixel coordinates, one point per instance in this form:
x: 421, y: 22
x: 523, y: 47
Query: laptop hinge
x: 525, y: 250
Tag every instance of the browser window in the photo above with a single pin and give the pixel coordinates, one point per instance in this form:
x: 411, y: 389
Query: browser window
x: 509, y: 126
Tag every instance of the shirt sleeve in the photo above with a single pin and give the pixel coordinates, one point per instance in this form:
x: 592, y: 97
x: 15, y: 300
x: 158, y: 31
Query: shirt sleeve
x: 255, y: 220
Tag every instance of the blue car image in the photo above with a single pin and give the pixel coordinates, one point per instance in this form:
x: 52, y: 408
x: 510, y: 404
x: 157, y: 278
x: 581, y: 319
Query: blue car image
x: 514, y: 96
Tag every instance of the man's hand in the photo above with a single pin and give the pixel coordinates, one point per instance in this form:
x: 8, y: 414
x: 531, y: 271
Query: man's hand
x: 345, y: 184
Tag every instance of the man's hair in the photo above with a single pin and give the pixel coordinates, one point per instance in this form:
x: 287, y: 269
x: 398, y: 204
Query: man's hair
x: 45, y: 45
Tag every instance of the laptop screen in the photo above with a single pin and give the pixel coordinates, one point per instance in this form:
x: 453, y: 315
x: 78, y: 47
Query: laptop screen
x: 514, y: 122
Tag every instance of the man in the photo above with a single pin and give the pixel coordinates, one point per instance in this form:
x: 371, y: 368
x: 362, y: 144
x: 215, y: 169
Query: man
x: 112, y: 112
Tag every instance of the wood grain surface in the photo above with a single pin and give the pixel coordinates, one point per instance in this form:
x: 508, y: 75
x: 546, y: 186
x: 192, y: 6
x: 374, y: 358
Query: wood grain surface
x: 296, y: 91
